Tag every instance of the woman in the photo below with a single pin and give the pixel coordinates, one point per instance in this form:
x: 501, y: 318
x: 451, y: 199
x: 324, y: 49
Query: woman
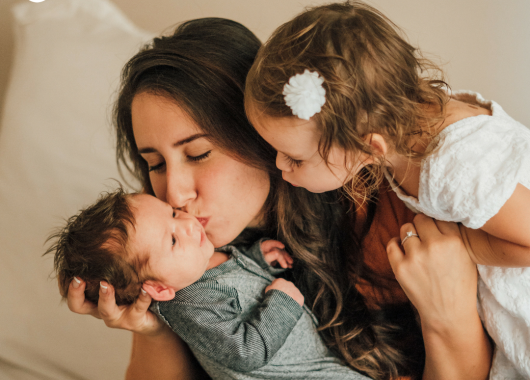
x: 181, y: 126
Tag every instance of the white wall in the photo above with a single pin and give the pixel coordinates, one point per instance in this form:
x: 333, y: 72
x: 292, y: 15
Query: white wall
x: 484, y: 43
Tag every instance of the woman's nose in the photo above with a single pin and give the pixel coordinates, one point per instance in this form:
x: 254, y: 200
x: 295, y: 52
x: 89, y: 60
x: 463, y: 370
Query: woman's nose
x: 180, y: 189
x: 282, y: 164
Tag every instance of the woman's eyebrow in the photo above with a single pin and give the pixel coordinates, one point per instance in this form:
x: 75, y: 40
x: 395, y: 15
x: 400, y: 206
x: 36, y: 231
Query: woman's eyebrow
x: 177, y: 144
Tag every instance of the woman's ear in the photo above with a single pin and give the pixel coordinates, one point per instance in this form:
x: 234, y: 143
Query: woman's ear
x: 158, y: 291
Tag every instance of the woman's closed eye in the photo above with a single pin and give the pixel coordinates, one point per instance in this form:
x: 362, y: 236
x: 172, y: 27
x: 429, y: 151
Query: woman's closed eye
x: 158, y: 168
x: 200, y: 157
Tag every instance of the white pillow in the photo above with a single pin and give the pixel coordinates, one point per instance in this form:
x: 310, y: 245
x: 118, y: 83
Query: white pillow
x: 56, y: 155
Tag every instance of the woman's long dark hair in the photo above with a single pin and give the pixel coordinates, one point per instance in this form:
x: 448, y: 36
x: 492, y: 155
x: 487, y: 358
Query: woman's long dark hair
x: 202, y: 67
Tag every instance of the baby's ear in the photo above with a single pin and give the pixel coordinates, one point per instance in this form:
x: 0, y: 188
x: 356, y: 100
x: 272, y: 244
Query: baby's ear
x: 158, y: 291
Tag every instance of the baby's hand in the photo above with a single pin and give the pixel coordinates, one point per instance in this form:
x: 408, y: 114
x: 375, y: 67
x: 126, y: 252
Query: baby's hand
x: 288, y: 288
x: 274, y: 253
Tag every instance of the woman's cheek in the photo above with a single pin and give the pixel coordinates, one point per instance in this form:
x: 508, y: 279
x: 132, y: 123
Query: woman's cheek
x: 158, y: 184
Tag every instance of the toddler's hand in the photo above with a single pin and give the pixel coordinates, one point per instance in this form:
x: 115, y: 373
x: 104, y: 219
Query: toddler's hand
x: 288, y: 288
x: 274, y: 253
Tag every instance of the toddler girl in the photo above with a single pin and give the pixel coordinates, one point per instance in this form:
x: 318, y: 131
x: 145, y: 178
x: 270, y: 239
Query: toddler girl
x: 346, y: 101
x: 239, y: 321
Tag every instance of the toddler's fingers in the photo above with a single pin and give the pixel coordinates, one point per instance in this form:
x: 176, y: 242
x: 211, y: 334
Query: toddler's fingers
x: 76, y: 299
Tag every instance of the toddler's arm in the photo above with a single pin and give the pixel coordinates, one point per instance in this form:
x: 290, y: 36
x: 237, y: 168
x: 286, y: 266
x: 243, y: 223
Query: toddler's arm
x: 505, y: 239
x: 212, y: 320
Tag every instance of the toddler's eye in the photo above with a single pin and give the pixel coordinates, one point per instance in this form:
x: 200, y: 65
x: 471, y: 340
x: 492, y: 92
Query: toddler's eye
x: 174, y: 213
x: 293, y: 162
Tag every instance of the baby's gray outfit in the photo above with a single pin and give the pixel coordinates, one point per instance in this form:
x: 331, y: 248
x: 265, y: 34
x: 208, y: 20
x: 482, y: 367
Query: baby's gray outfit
x: 238, y: 332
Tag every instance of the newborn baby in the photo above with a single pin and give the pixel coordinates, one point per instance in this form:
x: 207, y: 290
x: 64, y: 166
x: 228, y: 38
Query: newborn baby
x: 239, y: 321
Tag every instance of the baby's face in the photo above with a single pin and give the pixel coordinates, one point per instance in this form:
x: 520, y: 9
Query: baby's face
x: 178, y: 249
x: 298, y: 158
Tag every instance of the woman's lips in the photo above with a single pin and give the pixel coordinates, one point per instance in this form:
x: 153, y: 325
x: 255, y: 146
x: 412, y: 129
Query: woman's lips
x: 203, y: 221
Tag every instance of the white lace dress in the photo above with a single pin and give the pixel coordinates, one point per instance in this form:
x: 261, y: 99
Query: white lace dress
x: 474, y: 169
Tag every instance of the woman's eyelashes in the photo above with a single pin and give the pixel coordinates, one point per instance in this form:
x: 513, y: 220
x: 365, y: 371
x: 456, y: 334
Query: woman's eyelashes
x: 159, y: 168
x: 200, y: 157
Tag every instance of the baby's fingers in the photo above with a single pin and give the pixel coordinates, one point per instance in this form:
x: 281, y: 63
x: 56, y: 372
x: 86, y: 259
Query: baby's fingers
x: 269, y: 245
x: 76, y: 299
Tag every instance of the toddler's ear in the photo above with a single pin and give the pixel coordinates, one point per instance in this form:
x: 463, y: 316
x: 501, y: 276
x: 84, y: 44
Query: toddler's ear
x: 158, y: 291
x: 377, y: 143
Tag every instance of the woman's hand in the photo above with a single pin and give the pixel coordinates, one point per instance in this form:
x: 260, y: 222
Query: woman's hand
x: 438, y: 276
x: 435, y: 271
x: 135, y: 318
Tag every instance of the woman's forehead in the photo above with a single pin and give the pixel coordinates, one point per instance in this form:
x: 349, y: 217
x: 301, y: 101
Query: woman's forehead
x: 156, y: 117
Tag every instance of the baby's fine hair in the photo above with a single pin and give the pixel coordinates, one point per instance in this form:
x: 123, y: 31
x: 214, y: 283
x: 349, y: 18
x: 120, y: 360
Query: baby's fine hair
x: 94, y: 247
x: 375, y: 81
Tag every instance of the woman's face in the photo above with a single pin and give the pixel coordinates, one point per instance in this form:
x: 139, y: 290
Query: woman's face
x: 192, y: 174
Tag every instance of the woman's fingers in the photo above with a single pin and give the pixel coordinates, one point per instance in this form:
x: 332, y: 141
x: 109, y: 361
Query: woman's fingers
x: 395, y: 254
x: 448, y: 228
x: 410, y: 238
x: 76, y: 299
x: 426, y: 227
x: 108, y: 309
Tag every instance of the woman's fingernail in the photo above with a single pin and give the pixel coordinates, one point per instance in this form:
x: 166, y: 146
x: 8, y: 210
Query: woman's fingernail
x: 143, y: 291
x: 103, y: 288
x: 76, y: 282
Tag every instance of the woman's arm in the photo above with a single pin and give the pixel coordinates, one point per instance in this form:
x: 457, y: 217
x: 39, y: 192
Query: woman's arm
x: 157, y: 352
x: 438, y: 276
x: 162, y: 357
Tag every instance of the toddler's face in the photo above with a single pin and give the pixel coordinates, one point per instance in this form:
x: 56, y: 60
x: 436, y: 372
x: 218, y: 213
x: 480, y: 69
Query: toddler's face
x: 298, y: 158
x: 174, y: 241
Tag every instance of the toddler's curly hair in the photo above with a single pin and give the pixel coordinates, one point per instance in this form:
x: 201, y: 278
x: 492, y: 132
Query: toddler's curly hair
x: 375, y: 82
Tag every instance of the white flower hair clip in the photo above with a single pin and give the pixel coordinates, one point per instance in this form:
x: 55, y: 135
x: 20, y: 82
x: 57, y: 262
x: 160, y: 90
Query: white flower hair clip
x: 304, y: 94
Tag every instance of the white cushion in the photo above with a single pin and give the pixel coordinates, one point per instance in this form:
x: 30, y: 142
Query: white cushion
x: 56, y: 155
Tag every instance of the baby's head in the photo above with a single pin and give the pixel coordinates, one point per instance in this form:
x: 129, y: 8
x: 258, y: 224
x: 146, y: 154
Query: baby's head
x: 375, y: 86
x: 131, y: 241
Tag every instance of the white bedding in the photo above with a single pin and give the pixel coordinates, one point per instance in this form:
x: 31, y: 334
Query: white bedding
x: 56, y: 155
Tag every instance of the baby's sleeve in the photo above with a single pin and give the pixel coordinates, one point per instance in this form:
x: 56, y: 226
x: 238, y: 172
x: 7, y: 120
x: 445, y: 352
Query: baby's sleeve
x: 209, y: 317
x: 475, y: 171
x: 255, y: 253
